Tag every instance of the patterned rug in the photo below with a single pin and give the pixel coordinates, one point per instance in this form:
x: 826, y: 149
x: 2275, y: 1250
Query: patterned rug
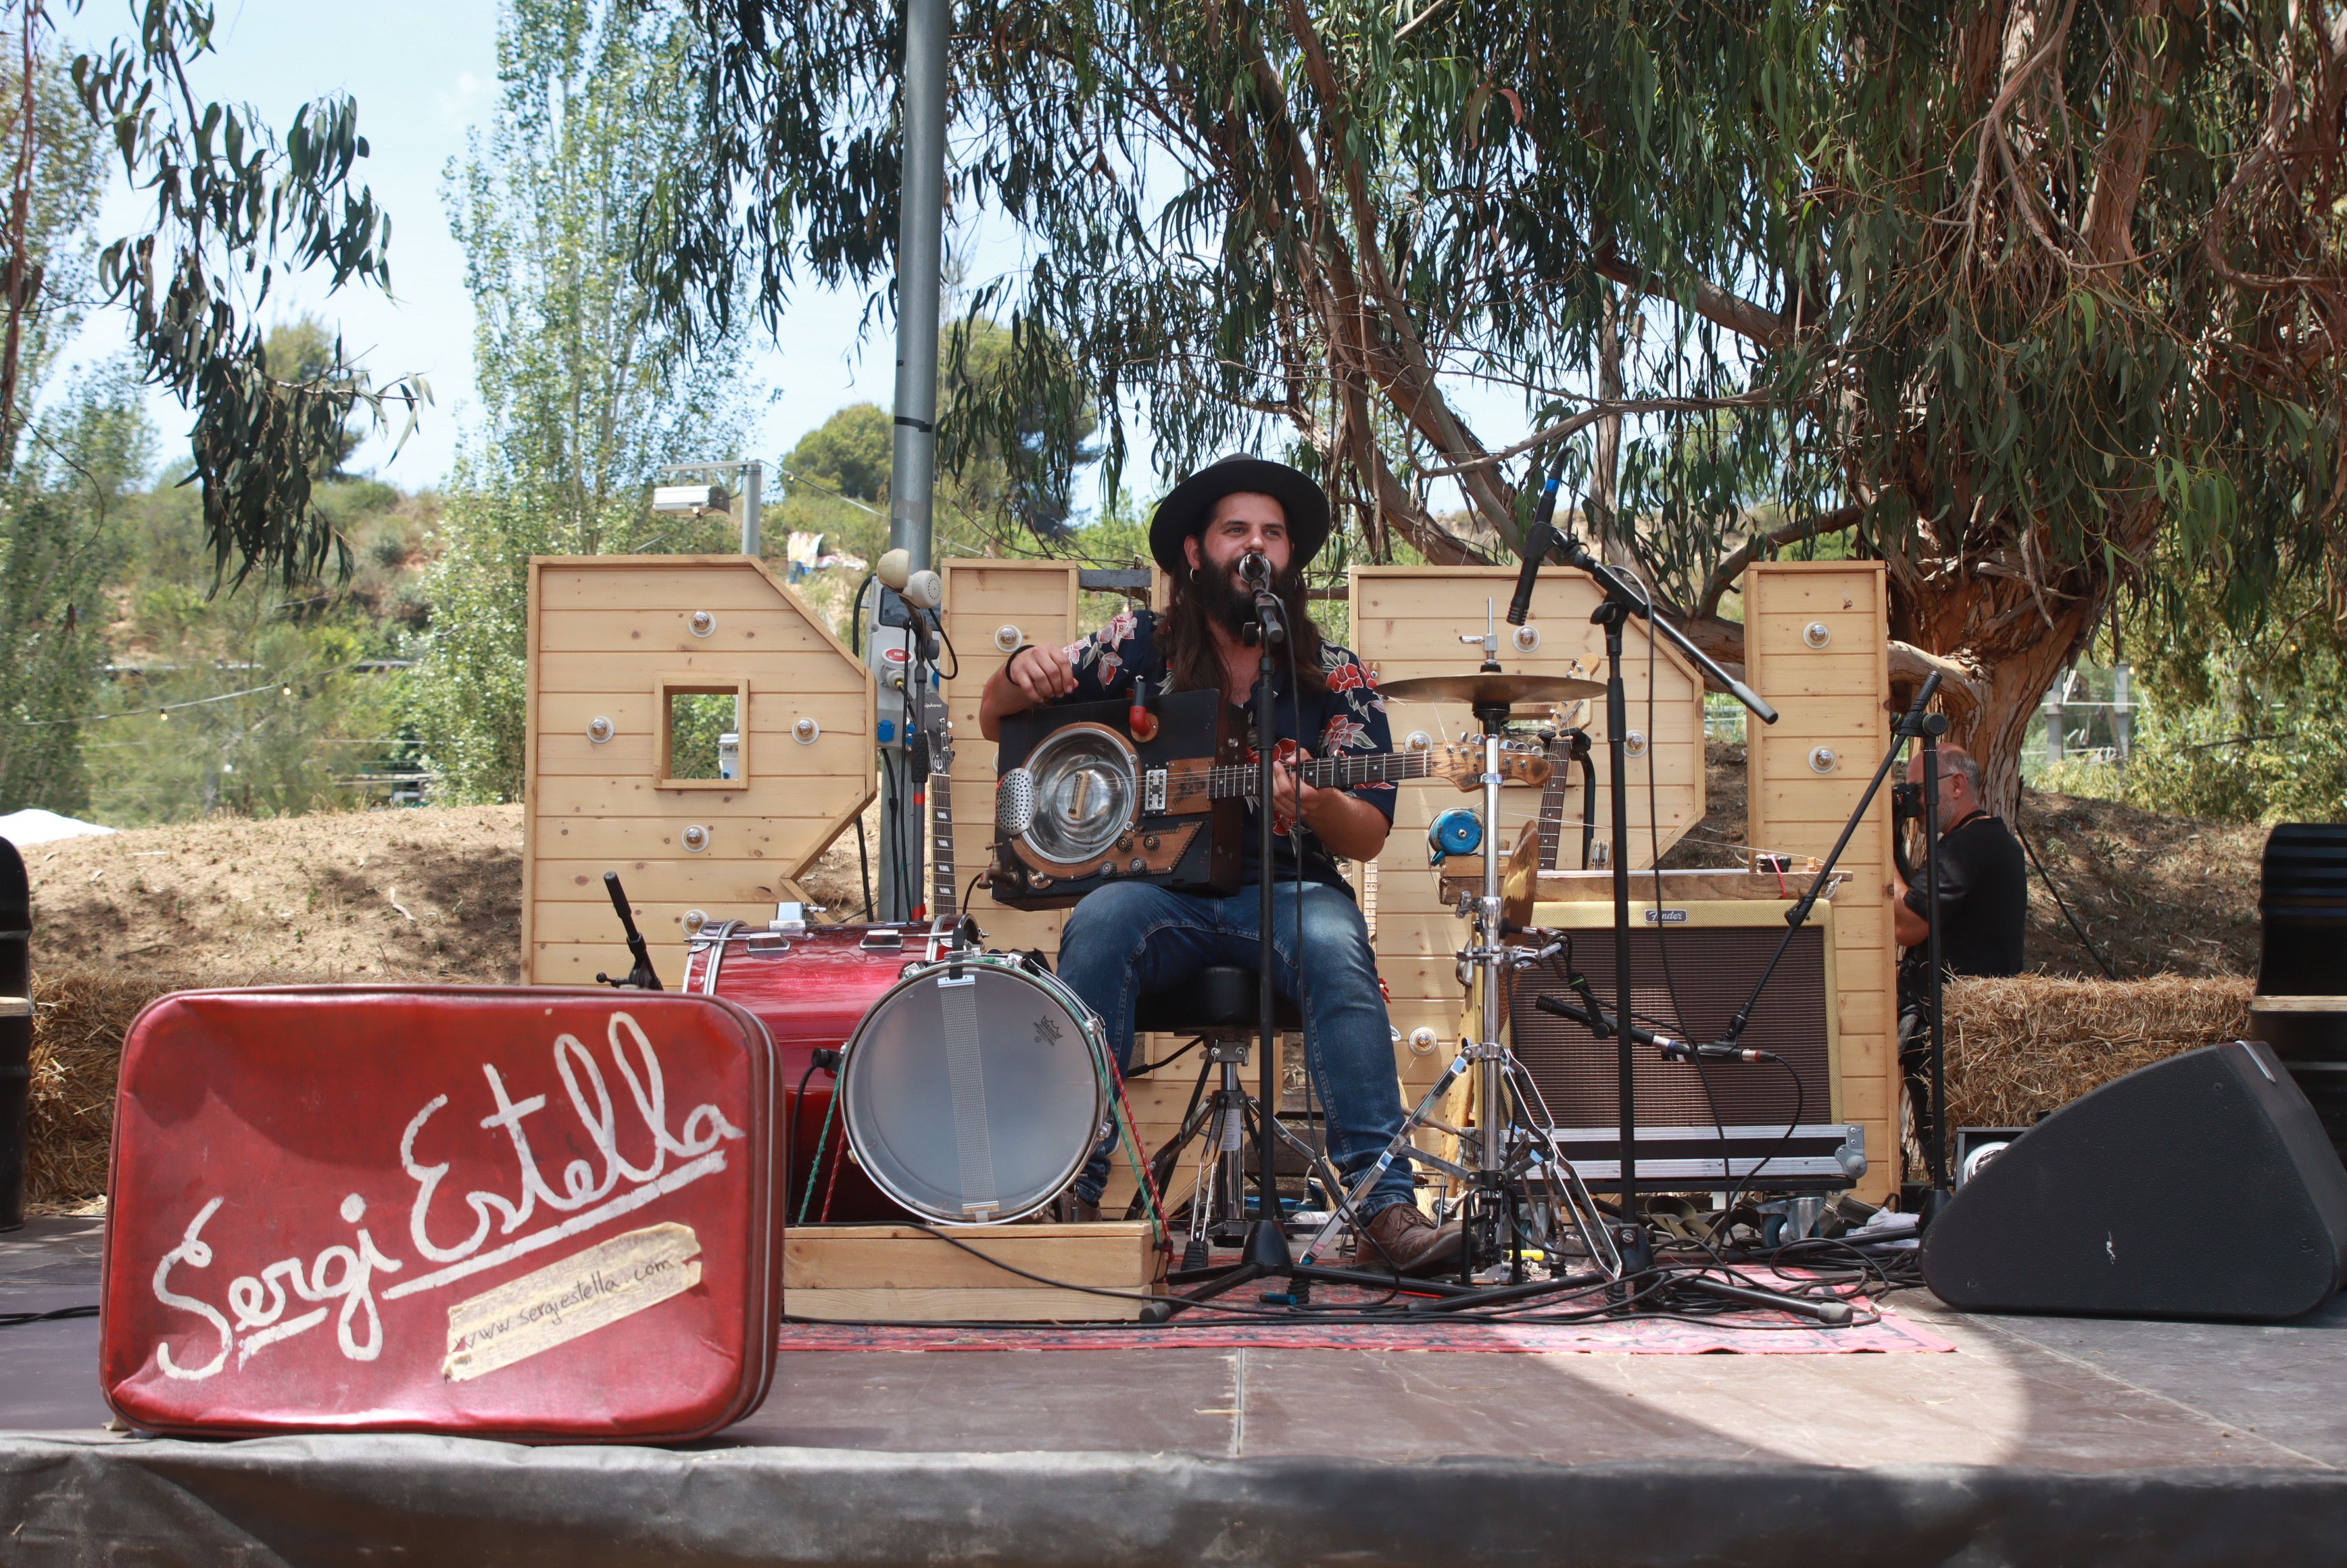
x: 1882, y: 1328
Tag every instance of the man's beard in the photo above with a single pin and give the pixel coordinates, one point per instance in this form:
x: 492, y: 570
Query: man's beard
x: 1226, y: 599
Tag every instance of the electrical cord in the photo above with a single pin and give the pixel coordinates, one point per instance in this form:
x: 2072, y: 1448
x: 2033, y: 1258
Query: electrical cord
x: 2094, y: 952
x: 790, y: 1135
x: 56, y: 1315
x: 864, y: 864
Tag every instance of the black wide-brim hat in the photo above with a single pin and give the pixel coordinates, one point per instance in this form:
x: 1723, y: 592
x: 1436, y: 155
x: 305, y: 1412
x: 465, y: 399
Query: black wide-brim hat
x: 1185, y: 511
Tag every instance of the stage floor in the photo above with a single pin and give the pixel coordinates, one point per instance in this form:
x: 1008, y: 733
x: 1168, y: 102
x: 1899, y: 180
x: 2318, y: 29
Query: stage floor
x: 2080, y: 1409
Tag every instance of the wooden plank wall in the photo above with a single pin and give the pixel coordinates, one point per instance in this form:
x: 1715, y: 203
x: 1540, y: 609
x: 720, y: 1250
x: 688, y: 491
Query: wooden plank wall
x: 1408, y: 620
x: 604, y: 632
x: 1025, y: 602
x: 1833, y: 695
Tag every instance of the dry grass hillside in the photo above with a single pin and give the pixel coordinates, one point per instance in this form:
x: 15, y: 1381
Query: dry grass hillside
x: 422, y: 894
x: 2158, y: 895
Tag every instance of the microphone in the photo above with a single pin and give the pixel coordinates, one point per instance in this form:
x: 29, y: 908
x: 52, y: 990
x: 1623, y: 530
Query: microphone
x: 1601, y: 1024
x: 1538, y: 542
x: 1255, y: 569
x: 1712, y: 1050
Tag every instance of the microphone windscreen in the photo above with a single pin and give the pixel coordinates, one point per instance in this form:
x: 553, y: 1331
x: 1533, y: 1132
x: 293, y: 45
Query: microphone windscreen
x: 894, y: 566
x: 923, y: 590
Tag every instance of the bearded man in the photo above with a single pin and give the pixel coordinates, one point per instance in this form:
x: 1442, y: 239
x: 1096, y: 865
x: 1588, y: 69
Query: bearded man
x: 1129, y: 939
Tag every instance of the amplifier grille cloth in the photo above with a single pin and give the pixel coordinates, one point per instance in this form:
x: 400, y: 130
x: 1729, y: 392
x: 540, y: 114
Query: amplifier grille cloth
x: 1712, y: 969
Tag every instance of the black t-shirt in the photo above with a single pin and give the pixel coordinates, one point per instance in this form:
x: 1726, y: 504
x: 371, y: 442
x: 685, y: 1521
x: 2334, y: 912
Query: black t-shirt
x: 1983, y: 899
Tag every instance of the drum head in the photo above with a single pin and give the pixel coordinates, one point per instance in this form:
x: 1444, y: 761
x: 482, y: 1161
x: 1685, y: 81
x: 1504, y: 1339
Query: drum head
x: 973, y: 1099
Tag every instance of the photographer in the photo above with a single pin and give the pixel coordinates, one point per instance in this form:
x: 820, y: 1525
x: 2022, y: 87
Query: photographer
x: 1983, y: 881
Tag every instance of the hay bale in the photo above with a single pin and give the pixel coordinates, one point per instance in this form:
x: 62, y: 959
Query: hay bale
x: 80, y: 1015
x: 2031, y: 1043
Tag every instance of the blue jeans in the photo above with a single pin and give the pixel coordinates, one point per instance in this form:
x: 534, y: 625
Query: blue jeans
x: 1130, y: 940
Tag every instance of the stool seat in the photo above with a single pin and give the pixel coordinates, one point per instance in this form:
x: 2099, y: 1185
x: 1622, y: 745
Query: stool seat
x: 1217, y: 999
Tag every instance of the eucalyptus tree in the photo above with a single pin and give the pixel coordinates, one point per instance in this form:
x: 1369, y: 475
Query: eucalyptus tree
x: 224, y: 205
x: 583, y: 392
x: 2031, y: 301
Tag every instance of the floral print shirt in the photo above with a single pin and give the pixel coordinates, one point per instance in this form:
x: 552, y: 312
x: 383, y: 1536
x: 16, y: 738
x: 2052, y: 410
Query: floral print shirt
x: 1346, y: 716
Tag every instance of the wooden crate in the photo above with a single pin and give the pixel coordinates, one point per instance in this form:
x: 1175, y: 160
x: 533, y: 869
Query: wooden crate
x: 609, y: 637
x: 1408, y: 620
x: 900, y: 1272
x: 1829, y: 686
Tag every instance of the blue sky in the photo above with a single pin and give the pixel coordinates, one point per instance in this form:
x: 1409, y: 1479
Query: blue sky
x: 423, y: 73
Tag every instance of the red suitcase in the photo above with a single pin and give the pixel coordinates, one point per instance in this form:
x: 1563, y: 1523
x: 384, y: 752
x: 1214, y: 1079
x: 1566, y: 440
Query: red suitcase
x: 533, y: 1213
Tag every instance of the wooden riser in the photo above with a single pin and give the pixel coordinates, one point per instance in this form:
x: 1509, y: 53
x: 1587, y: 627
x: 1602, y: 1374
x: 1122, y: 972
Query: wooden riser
x: 901, y: 1273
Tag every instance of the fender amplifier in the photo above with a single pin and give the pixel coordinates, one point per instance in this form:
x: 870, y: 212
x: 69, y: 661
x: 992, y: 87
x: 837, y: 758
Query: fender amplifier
x: 513, y: 1213
x: 1693, y: 964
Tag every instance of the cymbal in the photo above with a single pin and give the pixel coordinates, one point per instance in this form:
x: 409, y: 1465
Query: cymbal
x: 1486, y: 690
x: 1520, y: 878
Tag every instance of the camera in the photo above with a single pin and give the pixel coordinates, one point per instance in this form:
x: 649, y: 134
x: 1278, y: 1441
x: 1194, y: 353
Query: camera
x: 1906, y: 802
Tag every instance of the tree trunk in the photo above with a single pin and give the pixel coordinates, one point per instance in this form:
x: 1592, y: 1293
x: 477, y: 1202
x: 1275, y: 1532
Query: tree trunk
x: 1605, y: 467
x: 2009, y: 643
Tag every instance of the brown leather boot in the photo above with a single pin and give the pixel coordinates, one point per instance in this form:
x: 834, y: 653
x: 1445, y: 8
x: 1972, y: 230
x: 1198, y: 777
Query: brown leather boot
x: 1403, y: 1240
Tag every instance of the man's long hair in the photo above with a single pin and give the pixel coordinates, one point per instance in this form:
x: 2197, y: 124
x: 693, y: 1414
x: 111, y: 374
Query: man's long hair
x: 1188, y: 640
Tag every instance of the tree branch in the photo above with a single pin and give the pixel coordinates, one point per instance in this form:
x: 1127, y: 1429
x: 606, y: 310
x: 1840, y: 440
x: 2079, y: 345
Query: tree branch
x: 1731, y: 566
x: 1591, y: 416
x: 1714, y: 305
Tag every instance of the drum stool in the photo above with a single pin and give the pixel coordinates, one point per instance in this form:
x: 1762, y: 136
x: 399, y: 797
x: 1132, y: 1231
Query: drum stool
x: 1217, y: 1008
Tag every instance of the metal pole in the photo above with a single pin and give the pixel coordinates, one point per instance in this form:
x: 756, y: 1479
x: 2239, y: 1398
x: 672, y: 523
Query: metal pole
x: 913, y: 465
x: 912, y: 482
x: 752, y: 485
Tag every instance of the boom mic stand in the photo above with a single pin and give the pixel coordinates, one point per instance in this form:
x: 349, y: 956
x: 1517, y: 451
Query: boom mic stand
x: 1622, y: 601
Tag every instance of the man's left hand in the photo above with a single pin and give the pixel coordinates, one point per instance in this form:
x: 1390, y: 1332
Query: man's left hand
x: 1285, y: 789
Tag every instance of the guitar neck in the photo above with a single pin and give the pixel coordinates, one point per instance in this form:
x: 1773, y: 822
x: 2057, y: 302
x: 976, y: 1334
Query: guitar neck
x: 1238, y: 781
x: 942, y: 893
x: 1552, y: 812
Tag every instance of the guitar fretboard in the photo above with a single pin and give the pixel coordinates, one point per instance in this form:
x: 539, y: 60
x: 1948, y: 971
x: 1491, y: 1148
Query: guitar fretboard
x: 942, y: 891
x: 1238, y: 780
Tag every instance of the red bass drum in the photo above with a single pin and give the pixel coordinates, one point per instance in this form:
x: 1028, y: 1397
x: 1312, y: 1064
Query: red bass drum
x: 810, y: 987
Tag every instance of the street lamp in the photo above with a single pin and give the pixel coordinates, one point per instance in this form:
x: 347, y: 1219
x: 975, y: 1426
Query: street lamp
x: 702, y: 492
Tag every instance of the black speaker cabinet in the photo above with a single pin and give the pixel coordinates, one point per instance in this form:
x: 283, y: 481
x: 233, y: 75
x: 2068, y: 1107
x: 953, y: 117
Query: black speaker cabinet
x: 2200, y: 1187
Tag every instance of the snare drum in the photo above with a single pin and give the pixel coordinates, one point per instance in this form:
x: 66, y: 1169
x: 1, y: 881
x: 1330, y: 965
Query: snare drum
x: 810, y: 988
x: 976, y: 1089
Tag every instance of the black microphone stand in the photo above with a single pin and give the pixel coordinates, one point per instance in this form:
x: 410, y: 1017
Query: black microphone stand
x: 1622, y: 601
x: 1932, y: 726
x: 1266, y: 1255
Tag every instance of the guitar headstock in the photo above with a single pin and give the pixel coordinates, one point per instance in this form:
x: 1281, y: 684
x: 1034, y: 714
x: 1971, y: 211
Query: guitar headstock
x: 1521, y: 762
x: 941, y: 733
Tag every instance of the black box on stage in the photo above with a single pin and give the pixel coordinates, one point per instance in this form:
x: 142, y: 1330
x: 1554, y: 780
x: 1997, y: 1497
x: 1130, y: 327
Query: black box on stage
x: 2200, y: 1187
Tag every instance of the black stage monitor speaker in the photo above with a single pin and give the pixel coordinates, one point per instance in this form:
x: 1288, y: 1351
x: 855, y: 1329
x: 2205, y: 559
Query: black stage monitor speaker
x: 2200, y: 1187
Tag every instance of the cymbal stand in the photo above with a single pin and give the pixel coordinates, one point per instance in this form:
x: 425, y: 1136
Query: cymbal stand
x: 1492, y: 1220
x: 1632, y: 1240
